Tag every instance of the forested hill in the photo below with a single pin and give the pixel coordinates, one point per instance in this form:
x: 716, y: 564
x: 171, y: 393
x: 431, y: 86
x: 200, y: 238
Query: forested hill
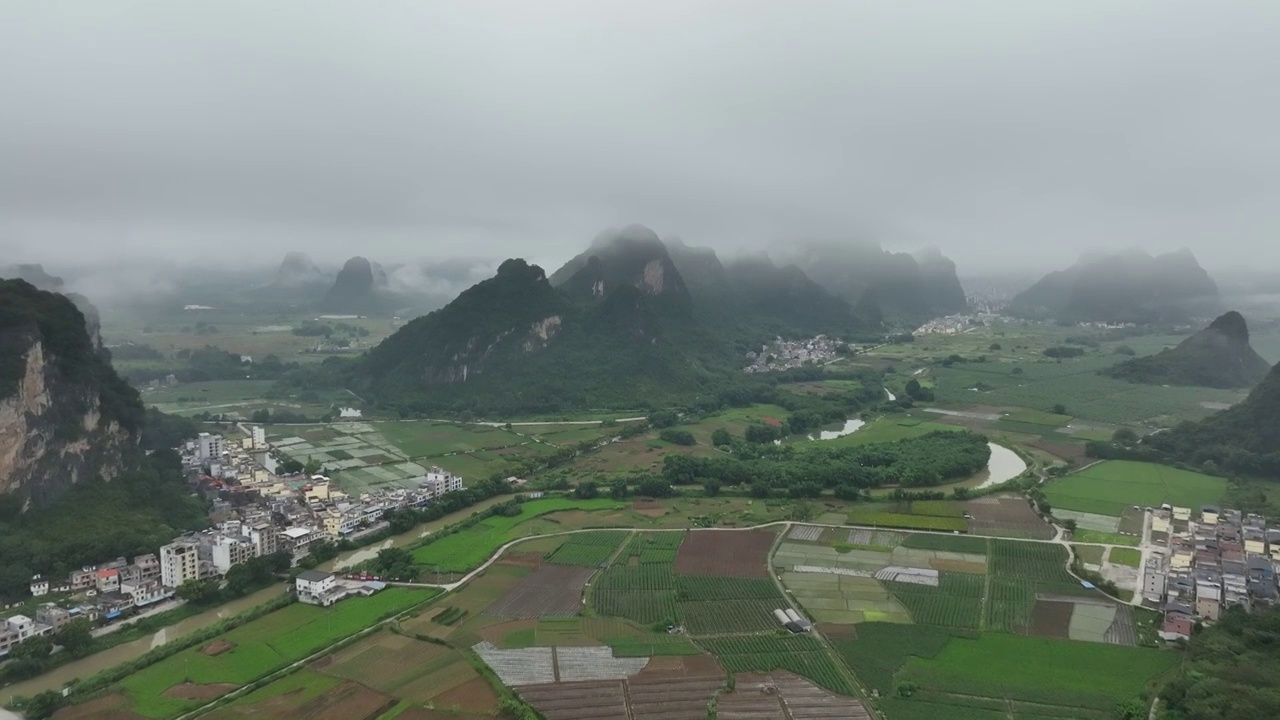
x: 1128, y: 286
x: 619, y: 331
x: 1218, y: 356
x: 1243, y: 439
x: 1232, y: 670
x: 903, y: 288
x: 755, y: 299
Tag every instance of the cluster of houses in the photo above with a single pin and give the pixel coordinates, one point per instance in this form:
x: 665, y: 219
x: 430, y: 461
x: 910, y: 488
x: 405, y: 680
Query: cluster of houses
x: 255, y: 513
x: 786, y: 354
x: 1204, y: 565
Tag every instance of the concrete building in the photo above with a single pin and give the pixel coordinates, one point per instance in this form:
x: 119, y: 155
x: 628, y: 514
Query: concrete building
x: 179, y: 562
x: 316, y: 587
x: 259, y: 438
x: 265, y: 539
x: 229, y: 550
x: 53, y: 616
x: 148, y: 566
x: 39, y: 586
x: 437, y: 482
x: 210, y: 447
x: 145, y: 592
x: 108, y: 580
x: 1154, y: 576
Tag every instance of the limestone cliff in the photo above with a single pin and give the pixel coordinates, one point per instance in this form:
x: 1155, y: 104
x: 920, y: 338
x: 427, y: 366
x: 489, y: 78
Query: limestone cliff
x: 64, y: 413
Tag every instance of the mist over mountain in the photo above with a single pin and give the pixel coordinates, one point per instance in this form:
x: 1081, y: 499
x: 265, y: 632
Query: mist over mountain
x: 359, y: 288
x: 1125, y: 286
x: 903, y: 288
x: 1218, y: 356
x: 298, y: 271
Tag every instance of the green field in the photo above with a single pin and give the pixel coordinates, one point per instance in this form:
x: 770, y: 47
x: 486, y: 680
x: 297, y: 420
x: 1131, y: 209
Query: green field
x: 1130, y: 557
x: 1037, y: 417
x: 468, y: 548
x: 734, y: 420
x: 427, y: 439
x: 1039, y: 670
x: 884, y: 518
x: 878, y: 650
x: 1109, y: 487
x: 1104, y: 538
x: 588, y: 549
x: 800, y: 654
x: 263, y: 646
x: 889, y: 429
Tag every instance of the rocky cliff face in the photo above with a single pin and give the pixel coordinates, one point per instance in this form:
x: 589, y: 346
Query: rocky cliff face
x: 64, y: 414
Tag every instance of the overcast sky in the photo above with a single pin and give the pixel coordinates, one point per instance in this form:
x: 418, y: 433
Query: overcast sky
x: 1012, y: 133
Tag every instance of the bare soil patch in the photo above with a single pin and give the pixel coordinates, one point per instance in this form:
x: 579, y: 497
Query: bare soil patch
x: 1051, y: 618
x: 108, y: 707
x: 973, y: 568
x: 217, y: 647
x: 725, y: 553
x: 193, y: 691
x: 529, y: 560
x: 1006, y: 517
x: 1065, y: 450
x: 578, y: 700
x: 348, y: 701
x: 549, y: 591
x: 475, y: 696
x: 838, y: 630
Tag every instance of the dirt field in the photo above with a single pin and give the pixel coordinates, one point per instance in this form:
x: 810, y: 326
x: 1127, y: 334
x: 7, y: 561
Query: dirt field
x: 1006, y: 517
x: 1051, y: 618
x: 107, y: 707
x: 192, y: 691
x: 348, y: 701
x: 217, y: 647
x: 529, y: 560
x: 724, y: 553
x: 764, y: 696
x: 474, y: 695
x: 549, y: 591
x: 669, y: 688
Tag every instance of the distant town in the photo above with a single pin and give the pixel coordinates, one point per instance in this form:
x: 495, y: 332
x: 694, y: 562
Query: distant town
x: 255, y: 513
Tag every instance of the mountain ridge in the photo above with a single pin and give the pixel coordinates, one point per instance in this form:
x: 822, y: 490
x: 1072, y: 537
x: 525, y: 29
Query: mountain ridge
x: 1218, y: 356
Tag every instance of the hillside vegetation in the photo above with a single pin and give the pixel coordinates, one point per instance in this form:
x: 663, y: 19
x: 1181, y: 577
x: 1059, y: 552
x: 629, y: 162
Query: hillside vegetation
x: 1218, y: 356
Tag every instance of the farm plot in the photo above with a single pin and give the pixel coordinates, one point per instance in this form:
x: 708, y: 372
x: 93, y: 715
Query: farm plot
x: 884, y: 518
x: 588, y: 549
x: 876, y: 651
x: 956, y: 601
x: 1111, y: 486
x: 644, y: 593
x: 260, y: 647
x: 427, y: 439
x: 873, y: 538
x: 800, y: 654
x: 549, y: 591
x: 760, y: 696
x: 807, y: 533
x: 1045, y: 671
x: 666, y: 689
x: 528, y: 666
x: 466, y: 549
x: 576, y: 700
x: 1001, y: 516
x: 837, y: 598
x: 946, y: 543
x: 791, y: 555
x: 725, y: 553
x: 1021, y: 571
x: 303, y: 694
x: 1089, y: 521
x: 595, y: 663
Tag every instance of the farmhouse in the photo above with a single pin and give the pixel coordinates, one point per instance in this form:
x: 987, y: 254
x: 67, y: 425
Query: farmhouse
x: 316, y: 587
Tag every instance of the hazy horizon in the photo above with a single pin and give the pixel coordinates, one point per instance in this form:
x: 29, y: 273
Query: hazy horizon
x: 1012, y: 136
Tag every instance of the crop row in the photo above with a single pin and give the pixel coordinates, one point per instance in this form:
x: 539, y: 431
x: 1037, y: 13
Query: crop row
x: 644, y: 593
x: 955, y: 602
x: 1029, y: 561
x: 801, y: 654
x: 703, y: 588
x: 587, y: 549
x: 729, y: 616
x: 880, y: 518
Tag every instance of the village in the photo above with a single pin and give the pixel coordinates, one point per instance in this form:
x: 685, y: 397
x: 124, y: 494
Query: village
x: 786, y: 354
x: 1199, y: 567
x: 254, y: 513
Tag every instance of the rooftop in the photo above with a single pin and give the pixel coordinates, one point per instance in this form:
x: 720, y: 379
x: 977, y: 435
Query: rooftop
x: 314, y: 575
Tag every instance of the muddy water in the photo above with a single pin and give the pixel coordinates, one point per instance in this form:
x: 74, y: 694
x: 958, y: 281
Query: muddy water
x: 1003, y: 466
x: 83, y: 668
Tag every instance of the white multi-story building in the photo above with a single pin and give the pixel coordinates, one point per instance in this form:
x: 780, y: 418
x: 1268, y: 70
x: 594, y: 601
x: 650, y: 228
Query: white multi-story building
x: 437, y: 482
x: 259, y: 438
x: 317, y: 587
x: 209, y: 447
x: 179, y: 562
x: 39, y: 586
x: 229, y: 550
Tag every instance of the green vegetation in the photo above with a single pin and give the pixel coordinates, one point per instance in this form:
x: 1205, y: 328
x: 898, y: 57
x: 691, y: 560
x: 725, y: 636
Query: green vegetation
x: 1109, y: 487
x: 261, y: 647
x: 1218, y: 356
x: 650, y: 645
x: 947, y: 543
x: 889, y: 429
x: 469, y: 547
x: 931, y: 459
x: 1048, y: 671
x: 1019, y: 571
x: 882, y: 518
x: 800, y: 654
x: 956, y: 602
x: 1083, y: 535
x: 1232, y: 670
x: 878, y: 650
x: 1131, y: 557
x: 589, y: 549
